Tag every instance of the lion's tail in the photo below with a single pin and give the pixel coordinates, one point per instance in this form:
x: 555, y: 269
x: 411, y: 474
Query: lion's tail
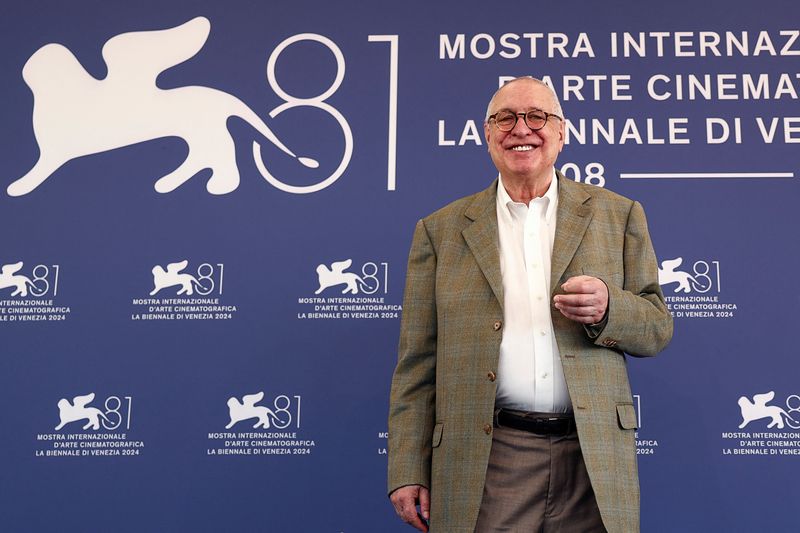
x: 247, y: 114
x: 366, y: 287
x: 702, y: 287
x: 198, y: 285
x: 789, y: 417
x: 276, y: 418
x: 254, y: 120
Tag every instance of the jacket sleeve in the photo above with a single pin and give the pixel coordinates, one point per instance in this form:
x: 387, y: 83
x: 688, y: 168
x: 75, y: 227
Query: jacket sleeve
x: 412, y: 400
x: 638, y: 321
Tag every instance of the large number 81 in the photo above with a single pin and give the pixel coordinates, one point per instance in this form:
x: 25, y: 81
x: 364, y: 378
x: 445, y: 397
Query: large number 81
x: 319, y: 102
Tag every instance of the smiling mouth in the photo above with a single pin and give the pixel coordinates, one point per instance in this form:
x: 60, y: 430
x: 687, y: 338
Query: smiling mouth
x: 523, y: 148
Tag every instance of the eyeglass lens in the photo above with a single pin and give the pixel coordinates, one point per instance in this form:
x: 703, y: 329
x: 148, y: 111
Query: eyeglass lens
x: 506, y: 120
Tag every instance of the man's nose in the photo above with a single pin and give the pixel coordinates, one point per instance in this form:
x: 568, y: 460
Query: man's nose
x: 521, y: 127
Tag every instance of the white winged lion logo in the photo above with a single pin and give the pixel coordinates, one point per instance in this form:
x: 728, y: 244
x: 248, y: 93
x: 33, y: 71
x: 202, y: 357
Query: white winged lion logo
x: 336, y: 275
x: 75, y: 114
x: 668, y: 273
x: 10, y: 278
x: 758, y: 409
x: 79, y: 409
x: 247, y: 409
x: 173, y: 276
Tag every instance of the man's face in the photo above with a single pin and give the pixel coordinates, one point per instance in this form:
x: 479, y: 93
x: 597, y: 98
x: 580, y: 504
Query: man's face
x: 522, y: 153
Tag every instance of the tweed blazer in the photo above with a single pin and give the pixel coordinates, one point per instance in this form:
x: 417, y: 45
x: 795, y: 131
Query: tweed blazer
x: 443, y: 391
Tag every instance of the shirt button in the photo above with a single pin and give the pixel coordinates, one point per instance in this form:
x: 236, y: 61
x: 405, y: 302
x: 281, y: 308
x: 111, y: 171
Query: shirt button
x: 545, y: 375
x: 492, y: 376
x: 497, y: 325
x: 543, y: 333
x: 487, y: 429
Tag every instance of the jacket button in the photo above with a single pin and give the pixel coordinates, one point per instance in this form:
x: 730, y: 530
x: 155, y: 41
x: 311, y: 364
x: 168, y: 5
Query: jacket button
x: 497, y: 325
x: 487, y: 429
x: 492, y: 376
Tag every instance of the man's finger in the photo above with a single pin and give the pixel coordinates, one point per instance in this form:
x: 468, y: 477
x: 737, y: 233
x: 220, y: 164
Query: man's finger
x: 425, y: 503
x: 577, y: 300
x: 583, y: 319
x: 408, y: 513
x: 412, y: 518
x: 583, y: 310
x: 580, y: 284
x: 404, y: 500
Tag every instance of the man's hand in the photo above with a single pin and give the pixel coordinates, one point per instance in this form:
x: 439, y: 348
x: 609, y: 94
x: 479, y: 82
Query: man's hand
x: 405, y: 500
x: 586, y: 300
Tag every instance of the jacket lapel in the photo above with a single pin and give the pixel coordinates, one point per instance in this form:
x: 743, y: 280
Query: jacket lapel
x: 482, y: 239
x: 574, y: 214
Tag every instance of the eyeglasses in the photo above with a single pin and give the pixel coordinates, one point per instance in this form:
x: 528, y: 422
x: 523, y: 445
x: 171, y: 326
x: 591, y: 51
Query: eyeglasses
x: 534, y: 119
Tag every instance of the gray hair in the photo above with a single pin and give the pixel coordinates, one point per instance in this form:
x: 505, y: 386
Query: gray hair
x: 556, y: 104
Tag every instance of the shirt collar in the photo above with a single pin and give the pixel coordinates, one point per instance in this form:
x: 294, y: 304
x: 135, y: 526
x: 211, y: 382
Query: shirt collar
x: 504, y: 201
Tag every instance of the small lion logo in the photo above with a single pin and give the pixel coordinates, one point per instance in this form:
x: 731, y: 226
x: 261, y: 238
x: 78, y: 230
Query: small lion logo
x: 10, y: 278
x: 758, y: 409
x: 247, y: 409
x: 667, y: 274
x: 173, y: 276
x: 336, y: 275
x: 79, y: 410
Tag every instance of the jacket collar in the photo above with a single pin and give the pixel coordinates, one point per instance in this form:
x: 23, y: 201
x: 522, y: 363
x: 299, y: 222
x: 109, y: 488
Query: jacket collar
x: 574, y: 214
x: 482, y: 238
x: 575, y: 211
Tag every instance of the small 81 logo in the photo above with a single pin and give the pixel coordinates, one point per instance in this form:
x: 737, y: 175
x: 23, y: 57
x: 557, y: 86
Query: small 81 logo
x: 208, y: 278
x: 116, y: 412
x: 42, y: 281
x: 704, y: 276
x: 373, y: 277
x: 284, y: 412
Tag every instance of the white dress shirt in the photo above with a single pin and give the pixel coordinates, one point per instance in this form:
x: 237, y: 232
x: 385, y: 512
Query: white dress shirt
x: 529, y: 376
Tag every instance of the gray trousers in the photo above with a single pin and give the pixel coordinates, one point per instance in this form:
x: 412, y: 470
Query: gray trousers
x: 537, y: 484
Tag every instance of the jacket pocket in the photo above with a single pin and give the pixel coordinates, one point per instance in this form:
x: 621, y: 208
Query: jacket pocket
x: 437, y: 434
x: 626, y: 415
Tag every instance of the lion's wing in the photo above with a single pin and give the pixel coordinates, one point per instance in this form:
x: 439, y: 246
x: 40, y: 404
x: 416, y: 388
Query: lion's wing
x: 82, y: 401
x: 762, y: 399
x: 11, y: 269
x: 671, y: 264
x: 252, y: 399
x: 174, y: 268
x: 341, y: 266
x: 140, y: 56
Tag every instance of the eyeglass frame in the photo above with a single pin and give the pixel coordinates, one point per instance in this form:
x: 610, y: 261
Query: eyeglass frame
x: 524, y: 119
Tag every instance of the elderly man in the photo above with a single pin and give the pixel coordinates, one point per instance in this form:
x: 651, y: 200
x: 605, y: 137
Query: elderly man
x: 511, y: 408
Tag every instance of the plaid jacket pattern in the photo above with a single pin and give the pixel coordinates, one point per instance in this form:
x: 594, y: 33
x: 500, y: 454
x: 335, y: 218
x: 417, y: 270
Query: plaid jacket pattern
x: 442, y: 397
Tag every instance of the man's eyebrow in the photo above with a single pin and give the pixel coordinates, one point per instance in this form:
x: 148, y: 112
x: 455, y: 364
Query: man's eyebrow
x: 529, y: 109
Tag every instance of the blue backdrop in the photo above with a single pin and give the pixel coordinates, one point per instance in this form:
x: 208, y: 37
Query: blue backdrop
x: 149, y: 324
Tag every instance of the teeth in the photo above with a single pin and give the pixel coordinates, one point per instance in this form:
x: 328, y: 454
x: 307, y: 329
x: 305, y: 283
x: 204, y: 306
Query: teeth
x: 522, y: 148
